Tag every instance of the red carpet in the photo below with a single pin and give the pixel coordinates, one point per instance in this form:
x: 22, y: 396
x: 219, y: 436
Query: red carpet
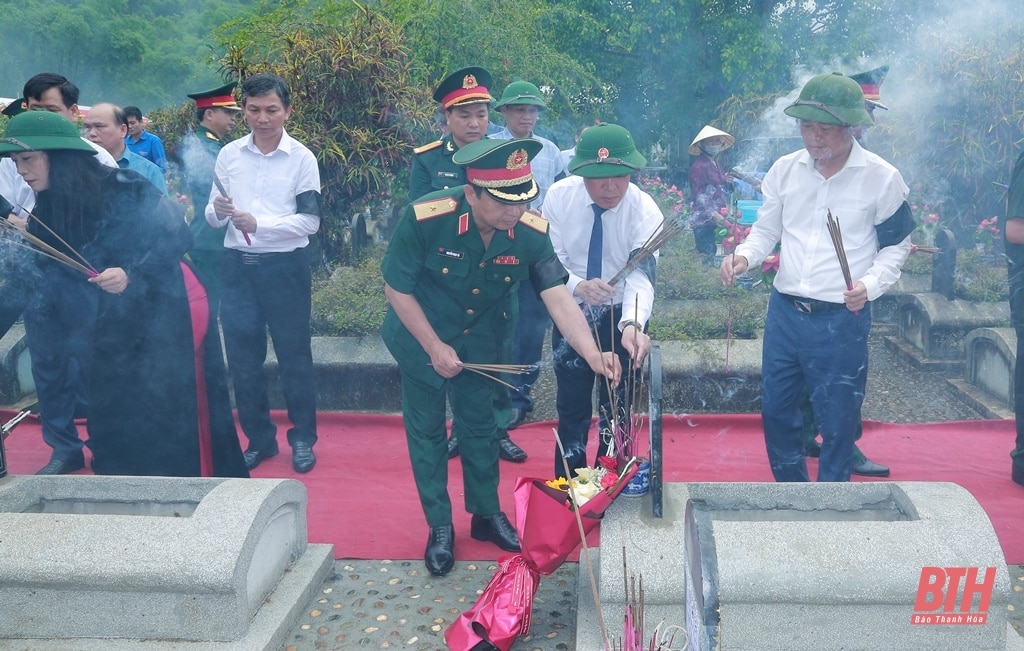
x: 362, y: 498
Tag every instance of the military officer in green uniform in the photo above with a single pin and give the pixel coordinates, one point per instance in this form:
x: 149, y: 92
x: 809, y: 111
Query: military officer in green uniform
x: 451, y: 277
x: 216, y: 113
x: 466, y: 101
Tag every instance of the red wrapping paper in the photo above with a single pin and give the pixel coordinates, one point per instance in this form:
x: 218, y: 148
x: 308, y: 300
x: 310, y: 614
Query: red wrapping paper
x: 548, y: 533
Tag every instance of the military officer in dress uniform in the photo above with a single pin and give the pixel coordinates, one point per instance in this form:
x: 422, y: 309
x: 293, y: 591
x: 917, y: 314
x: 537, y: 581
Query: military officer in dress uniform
x: 465, y: 98
x: 216, y: 114
x: 451, y: 277
x: 466, y: 101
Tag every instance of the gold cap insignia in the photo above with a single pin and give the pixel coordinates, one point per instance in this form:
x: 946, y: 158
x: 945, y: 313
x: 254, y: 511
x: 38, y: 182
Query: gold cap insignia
x: 469, y: 81
x: 517, y: 160
x: 602, y: 153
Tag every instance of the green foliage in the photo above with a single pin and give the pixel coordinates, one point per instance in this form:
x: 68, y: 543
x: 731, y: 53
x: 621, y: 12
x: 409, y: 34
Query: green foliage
x: 355, y: 102
x: 980, y: 278
x: 350, y: 303
x: 143, y: 53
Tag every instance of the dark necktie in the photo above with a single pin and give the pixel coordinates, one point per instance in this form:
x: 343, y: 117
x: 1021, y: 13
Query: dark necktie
x: 596, y: 244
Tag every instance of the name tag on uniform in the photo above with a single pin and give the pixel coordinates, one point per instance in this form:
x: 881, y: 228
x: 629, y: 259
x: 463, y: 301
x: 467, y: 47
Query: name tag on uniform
x: 506, y: 259
x: 441, y: 174
x: 457, y: 255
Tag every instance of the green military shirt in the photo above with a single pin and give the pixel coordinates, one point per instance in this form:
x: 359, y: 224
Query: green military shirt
x: 433, y: 169
x: 199, y: 169
x: 468, y: 294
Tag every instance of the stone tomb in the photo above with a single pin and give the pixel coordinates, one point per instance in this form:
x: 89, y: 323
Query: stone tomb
x: 932, y: 328
x: 798, y: 567
x: 990, y: 356
x: 153, y: 562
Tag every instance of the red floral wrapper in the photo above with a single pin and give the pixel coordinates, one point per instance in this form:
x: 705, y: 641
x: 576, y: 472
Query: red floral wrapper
x: 548, y: 533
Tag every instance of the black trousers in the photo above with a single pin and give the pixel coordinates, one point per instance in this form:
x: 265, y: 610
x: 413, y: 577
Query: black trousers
x: 1018, y: 399
x: 264, y: 292
x: 575, y: 389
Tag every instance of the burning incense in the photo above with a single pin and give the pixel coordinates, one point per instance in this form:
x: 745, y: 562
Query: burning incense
x: 746, y: 178
x: 42, y: 247
x: 837, y: 242
x: 224, y: 193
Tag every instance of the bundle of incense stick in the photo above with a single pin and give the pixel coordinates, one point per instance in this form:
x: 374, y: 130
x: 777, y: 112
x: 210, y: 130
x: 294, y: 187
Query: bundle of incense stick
x: 486, y: 370
x: 746, y: 178
x: 837, y: 242
x: 224, y: 193
x: 514, y: 369
x: 37, y: 245
x: 665, y: 232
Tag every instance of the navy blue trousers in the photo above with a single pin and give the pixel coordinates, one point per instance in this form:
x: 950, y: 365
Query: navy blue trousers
x: 828, y: 353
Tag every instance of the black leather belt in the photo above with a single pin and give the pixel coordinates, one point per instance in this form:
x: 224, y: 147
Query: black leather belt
x: 811, y: 305
x: 262, y: 258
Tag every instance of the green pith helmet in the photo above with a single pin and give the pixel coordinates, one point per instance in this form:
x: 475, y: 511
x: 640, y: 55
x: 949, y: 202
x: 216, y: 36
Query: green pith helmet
x: 831, y: 99
x: 606, y: 150
x: 41, y: 131
x: 521, y: 92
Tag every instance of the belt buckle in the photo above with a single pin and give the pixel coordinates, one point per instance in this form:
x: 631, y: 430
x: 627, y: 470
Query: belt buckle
x: 802, y: 306
x: 250, y: 258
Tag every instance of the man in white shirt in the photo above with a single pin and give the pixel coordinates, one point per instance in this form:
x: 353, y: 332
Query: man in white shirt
x: 597, y: 219
x: 520, y: 105
x: 273, y: 206
x: 817, y: 325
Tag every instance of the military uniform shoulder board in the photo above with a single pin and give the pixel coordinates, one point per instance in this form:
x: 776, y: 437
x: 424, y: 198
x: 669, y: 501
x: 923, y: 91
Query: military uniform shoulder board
x: 434, y: 208
x: 538, y: 224
x: 427, y: 147
x: 209, y: 134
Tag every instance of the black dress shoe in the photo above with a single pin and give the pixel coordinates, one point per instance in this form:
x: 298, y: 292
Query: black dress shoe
x: 496, y: 529
x: 812, y: 449
x: 517, y: 418
x: 254, y: 456
x: 869, y: 468
x: 303, y: 458
x: 440, y: 555
x: 1018, y: 475
x: 509, y: 451
x: 453, y: 447
x: 62, y: 466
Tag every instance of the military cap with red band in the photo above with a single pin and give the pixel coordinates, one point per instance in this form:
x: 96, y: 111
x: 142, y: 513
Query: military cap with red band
x: 466, y: 86
x: 222, y: 97
x: 501, y: 167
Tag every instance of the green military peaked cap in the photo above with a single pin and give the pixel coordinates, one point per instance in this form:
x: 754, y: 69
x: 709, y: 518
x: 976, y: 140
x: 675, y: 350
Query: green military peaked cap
x: 501, y: 167
x: 606, y: 150
x: 521, y: 92
x: 41, y: 131
x: 222, y: 97
x: 831, y: 99
x: 466, y: 86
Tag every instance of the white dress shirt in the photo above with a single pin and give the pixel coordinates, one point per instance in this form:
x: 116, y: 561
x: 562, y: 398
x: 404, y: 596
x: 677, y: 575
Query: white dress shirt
x: 266, y: 186
x: 797, y: 198
x: 625, y: 228
x: 546, y: 165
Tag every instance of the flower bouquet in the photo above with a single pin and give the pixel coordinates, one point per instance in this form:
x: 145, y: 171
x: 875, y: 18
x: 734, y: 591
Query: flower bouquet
x: 546, y: 520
